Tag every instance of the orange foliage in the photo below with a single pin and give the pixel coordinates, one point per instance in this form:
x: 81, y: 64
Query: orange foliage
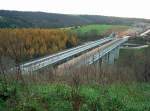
x: 32, y: 43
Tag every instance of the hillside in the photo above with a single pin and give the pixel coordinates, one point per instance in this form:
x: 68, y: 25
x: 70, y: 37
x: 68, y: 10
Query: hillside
x: 13, y: 19
x: 97, y: 31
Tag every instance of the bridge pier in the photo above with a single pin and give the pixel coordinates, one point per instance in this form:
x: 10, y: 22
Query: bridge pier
x: 108, y: 58
x: 117, y: 50
x: 105, y: 59
x: 108, y: 55
x: 113, y: 55
x: 98, y: 63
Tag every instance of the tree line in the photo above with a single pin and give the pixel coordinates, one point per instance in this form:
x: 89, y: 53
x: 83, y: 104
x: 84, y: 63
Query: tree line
x: 31, y: 43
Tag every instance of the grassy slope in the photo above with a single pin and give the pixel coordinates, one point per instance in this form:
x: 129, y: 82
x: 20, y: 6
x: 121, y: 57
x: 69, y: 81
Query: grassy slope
x: 97, y: 29
x: 133, y: 97
x: 126, y: 53
x: 135, y: 55
x: 57, y: 97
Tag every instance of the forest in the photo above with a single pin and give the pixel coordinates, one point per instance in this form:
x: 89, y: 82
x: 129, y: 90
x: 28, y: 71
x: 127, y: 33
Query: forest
x: 32, y: 43
x: 19, y: 19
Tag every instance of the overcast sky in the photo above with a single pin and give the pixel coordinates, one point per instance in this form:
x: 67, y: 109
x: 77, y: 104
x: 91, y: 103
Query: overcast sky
x: 122, y: 8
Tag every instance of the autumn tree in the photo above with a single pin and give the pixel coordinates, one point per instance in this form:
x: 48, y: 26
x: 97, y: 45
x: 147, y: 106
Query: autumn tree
x: 24, y: 44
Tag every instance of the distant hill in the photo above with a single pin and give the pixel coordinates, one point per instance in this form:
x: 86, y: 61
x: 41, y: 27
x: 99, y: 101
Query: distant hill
x: 19, y: 19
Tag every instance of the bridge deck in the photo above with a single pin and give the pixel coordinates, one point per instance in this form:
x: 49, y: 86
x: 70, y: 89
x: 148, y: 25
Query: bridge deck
x: 93, y: 55
x: 49, y: 60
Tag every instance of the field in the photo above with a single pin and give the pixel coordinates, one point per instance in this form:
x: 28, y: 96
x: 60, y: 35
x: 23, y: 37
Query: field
x: 62, y: 97
x: 94, y: 30
x: 113, y: 97
x: 133, y: 97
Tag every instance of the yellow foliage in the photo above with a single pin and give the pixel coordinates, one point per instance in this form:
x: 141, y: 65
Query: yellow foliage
x: 29, y: 43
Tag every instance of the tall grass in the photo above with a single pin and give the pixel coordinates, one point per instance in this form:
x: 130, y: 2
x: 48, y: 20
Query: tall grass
x: 88, y: 88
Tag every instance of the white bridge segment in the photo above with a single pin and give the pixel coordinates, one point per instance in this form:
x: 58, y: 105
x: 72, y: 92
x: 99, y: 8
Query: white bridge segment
x: 63, y: 52
x: 104, y: 51
x: 40, y: 63
x: 145, y: 33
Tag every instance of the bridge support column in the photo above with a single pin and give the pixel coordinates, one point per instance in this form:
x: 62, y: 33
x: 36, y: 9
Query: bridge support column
x: 100, y: 63
x: 113, y: 55
x: 116, y: 51
x: 111, y: 58
x: 105, y: 59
